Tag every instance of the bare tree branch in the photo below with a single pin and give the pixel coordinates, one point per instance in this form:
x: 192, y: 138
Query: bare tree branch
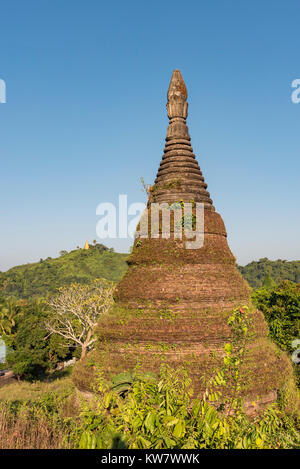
x: 76, y: 310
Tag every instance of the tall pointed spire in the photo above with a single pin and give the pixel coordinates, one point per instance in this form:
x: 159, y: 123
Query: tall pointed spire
x: 171, y: 304
x: 179, y: 176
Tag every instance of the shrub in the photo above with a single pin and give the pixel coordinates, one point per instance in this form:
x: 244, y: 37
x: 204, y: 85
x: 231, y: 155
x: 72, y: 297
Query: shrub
x: 281, y: 308
x: 158, y: 413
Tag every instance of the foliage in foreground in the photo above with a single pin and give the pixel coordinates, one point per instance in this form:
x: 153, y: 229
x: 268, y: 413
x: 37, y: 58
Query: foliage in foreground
x: 145, y: 411
x: 162, y: 413
x: 156, y: 413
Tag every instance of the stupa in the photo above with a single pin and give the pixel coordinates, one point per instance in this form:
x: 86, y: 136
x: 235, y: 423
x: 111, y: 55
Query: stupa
x: 163, y: 269
x: 173, y: 303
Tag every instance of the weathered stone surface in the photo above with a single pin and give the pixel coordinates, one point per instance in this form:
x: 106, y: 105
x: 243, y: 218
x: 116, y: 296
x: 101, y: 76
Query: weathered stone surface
x: 179, y: 176
x: 173, y: 303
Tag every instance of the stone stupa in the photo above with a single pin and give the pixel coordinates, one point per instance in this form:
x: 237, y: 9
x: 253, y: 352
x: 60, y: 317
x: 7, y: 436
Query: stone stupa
x: 163, y: 269
x: 173, y: 303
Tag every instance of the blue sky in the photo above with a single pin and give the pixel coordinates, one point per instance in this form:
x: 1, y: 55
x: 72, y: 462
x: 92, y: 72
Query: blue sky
x: 85, y: 116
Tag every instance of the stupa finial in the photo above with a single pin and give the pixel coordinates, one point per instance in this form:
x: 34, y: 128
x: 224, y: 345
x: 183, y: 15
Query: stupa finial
x: 177, y: 96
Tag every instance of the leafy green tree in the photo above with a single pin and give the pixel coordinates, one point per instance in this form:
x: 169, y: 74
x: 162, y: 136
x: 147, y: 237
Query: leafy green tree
x: 281, y: 307
x: 32, y: 353
x: 268, y: 282
x: 7, y: 321
x: 256, y: 272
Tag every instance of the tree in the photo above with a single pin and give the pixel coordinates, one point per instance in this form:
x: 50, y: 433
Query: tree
x: 268, y: 282
x: 7, y: 321
x: 256, y: 272
x: 281, y: 307
x: 76, y: 310
x: 31, y: 354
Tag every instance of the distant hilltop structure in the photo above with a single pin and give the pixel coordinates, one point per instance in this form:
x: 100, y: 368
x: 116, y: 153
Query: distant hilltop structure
x: 173, y: 303
x: 86, y: 246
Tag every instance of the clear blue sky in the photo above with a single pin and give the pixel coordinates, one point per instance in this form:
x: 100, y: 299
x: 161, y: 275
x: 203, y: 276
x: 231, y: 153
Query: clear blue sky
x: 85, y: 116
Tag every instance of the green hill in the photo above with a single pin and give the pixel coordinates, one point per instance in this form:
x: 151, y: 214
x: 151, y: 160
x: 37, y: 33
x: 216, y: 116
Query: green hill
x: 256, y: 272
x: 44, y: 277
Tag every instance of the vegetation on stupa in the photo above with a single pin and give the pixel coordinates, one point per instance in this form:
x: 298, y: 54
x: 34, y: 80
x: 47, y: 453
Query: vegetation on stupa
x: 173, y: 302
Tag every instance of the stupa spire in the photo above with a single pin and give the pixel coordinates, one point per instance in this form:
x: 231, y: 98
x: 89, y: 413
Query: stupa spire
x: 177, y: 96
x: 179, y: 176
x: 173, y: 303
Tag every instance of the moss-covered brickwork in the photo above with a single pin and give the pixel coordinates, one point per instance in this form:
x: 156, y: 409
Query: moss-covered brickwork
x: 173, y: 303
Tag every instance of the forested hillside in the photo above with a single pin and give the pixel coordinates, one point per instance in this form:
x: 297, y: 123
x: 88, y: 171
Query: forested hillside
x: 257, y: 272
x: 46, y: 276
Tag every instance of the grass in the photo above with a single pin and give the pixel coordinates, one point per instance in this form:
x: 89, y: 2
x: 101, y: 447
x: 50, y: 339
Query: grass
x: 31, y: 431
x: 26, y: 391
x: 40, y: 415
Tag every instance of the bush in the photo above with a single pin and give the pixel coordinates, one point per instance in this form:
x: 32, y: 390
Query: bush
x: 281, y: 308
x: 31, y: 352
x: 159, y: 413
x: 144, y: 411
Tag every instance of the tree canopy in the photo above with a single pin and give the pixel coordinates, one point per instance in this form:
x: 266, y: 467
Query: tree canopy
x: 259, y: 272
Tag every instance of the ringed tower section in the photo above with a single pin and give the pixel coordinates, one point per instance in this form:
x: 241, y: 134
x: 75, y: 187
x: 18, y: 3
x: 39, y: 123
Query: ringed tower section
x: 179, y: 169
x: 162, y: 269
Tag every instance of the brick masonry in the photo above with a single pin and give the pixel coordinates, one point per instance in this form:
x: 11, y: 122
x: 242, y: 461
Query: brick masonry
x: 173, y: 303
